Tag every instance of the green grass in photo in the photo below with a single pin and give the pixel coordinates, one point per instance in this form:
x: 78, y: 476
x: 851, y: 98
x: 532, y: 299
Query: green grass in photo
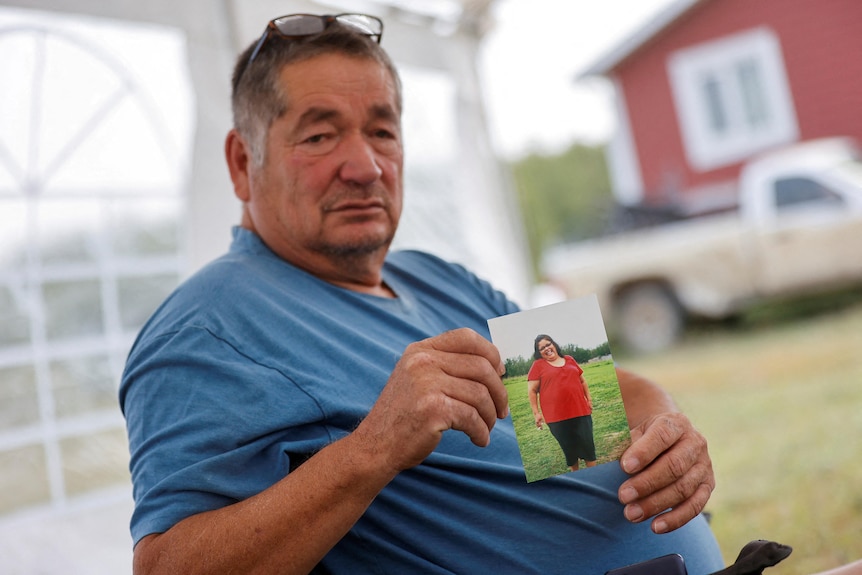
x: 541, y: 453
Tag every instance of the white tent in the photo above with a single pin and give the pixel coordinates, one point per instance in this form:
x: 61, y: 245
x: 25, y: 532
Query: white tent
x: 459, y: 200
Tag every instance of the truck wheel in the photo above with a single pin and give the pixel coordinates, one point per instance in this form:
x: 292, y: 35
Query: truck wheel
x: 649, y: 318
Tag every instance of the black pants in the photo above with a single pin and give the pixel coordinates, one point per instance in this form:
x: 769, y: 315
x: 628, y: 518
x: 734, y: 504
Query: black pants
x: 575, y: 437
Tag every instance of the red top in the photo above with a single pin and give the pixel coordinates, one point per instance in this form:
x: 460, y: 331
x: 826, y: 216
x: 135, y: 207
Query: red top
x: 561, y: 394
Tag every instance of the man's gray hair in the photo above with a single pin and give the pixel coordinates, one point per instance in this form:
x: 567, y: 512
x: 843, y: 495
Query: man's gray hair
x: 258, y: 100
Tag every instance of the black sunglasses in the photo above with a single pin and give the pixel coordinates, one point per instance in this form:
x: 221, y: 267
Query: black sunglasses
x: 299, y: 25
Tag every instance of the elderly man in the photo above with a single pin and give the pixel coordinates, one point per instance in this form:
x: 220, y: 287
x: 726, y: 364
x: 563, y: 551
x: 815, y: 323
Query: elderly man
x: 310, y: 402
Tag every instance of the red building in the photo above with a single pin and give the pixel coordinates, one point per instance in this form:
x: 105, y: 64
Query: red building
x: 709, y: 83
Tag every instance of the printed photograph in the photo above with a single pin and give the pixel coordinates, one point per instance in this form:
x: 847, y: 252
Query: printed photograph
x: 564, y: 396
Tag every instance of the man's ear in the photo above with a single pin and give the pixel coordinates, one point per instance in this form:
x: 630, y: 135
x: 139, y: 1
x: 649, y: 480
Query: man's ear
x: 238, y: 156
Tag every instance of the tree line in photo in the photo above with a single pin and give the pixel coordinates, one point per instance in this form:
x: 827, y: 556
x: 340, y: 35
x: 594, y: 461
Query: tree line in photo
x: 518, y: 366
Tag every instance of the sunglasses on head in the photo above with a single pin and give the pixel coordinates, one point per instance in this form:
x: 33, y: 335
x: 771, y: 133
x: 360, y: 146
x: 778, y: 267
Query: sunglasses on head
x: 299, y: 25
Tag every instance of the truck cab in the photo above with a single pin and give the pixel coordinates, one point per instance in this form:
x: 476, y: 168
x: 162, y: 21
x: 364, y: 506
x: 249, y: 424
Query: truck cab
x: 798, y: 230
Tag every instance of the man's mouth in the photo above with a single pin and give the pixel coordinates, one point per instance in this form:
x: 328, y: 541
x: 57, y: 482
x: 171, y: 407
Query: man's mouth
x: 357, y: 205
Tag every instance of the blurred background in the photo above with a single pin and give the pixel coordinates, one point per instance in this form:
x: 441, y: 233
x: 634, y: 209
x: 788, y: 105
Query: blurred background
x: 676, y: 157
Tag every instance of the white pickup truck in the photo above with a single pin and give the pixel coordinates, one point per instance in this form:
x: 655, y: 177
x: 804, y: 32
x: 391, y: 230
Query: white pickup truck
x: 798, y: 230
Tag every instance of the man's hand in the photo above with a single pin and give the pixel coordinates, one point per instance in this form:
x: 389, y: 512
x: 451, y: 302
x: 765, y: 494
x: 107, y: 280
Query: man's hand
x: 671, y: 470
x: 451, y: 381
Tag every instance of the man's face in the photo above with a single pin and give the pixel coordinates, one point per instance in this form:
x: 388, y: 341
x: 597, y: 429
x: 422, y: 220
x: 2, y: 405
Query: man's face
x: 329, y: 191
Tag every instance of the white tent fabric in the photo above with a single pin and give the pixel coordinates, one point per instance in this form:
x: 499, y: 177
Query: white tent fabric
x: 460, y: 208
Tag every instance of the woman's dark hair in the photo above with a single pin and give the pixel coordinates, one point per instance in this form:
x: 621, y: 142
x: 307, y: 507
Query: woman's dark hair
x: 537, y: 354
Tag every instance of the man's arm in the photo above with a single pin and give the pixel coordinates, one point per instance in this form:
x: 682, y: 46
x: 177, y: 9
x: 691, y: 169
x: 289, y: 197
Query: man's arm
x: 284, y: 529
x: 451, y: 381
x: 668, y: 459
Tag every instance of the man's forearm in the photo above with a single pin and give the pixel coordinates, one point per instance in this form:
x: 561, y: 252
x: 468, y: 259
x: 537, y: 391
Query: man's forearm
x: 642, y: 397
x: 287, y: 528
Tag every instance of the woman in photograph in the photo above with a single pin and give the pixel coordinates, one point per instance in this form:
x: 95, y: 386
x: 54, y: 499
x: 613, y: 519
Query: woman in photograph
x: 560, y: 398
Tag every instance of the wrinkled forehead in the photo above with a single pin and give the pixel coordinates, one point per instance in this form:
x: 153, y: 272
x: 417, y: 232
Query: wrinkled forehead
x: 335, y: 73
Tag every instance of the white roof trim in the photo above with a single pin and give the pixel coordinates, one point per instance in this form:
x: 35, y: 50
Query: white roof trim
x: 621, y: 51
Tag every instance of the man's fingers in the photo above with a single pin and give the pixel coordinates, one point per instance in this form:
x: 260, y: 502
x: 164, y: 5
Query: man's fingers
x: 650, y: 440
x: 675, y: 494
x: 451, y: 381
x: 478, y: 385
x: 468, y: 420
x: 462, y: 405
x: 668, y: 469
x: 672, y: 473
x: 682, y: 513
x: 465, y: 355
x: 475, y: 397
x: 468, y: 342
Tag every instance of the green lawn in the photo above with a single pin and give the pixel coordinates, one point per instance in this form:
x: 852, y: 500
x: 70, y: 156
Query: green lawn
x: 780, y: 401
x: 540, y: 452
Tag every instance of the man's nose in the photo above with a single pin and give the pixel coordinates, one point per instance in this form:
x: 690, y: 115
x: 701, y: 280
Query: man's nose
x: 360, y: 163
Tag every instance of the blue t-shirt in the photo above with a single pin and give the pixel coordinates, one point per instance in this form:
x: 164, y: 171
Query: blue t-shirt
x: 253, y: 365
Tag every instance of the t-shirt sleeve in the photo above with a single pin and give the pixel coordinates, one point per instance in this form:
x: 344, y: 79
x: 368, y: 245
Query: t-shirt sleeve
x: 535, y: 371
x: 198, y: 436
x: 575, y: 364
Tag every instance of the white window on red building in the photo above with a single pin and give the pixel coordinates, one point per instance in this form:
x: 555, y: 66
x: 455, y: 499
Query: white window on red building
x: 732, y: 98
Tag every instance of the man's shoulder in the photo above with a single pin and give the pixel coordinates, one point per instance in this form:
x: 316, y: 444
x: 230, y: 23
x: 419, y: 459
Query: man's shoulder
x: 221, y: 289
x: 436, y: 277
x: 418, y: 258
x: 425, y: 264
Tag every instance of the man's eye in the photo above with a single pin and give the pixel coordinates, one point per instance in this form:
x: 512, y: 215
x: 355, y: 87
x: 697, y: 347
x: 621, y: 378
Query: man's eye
x: 315, y: 139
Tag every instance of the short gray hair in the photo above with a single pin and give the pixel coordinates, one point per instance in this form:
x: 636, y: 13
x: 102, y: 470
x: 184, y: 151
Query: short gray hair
x: 257, y: 98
